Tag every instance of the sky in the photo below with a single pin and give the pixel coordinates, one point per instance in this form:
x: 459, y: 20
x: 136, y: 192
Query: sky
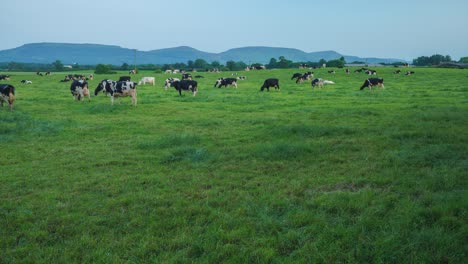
x: 403, y: 29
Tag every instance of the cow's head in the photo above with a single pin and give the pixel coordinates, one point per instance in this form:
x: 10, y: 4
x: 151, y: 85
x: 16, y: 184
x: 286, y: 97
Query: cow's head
x: 218, y: 82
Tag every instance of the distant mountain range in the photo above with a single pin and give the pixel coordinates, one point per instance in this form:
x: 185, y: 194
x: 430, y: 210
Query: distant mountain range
x: 91, y: 54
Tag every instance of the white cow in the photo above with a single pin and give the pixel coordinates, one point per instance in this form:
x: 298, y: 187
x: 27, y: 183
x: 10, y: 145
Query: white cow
x: 146, y: 80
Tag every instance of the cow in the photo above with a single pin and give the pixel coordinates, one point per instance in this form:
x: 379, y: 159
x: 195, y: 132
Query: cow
x: 5, y: 77
x: 241, y: 77
x: 397, y: 72
x: 91, y: 76
x: 124, y: 78
x: 39, y: 73
x: 409, y: 73
x: 225, y: 82
x: 272, y: 82
x: 347, y: 71
x: 317, y: 82
x: 358, y: 71
x: 132, y: 72
x: 118, y: 89
x: 186, y: 76
x: 296, y: 75
x: 26, y: 81
x: 371, y: 72
x: 305, y: 76
x: 199, y: 76
x: 185, y: 85
x: 168, y: 71
x: 47, y: 73
x: 332, y: 72
x: 373, y: 82
x: 145, y: 80
x: 79, y: 89
x: 7, y: 94
x: 168, y: 82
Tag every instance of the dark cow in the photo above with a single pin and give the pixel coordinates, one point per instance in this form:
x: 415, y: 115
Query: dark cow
x: 296, y: 75
x: 373, y: 82
x: 225, y: 82
x: 5, y: 77
x: 272, y: 82
x: 186, y: 76
x: 79, y: 89
x: 409, y: 73
x: 118, y: 89
x: 185, y: 85
x: 124, y: 78
x: 7, y: 94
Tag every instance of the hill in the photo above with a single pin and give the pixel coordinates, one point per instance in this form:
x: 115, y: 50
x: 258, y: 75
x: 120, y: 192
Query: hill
x: 110, y: 54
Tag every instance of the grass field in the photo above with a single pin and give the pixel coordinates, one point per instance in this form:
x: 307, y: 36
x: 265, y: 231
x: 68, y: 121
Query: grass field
x: 298, y: 175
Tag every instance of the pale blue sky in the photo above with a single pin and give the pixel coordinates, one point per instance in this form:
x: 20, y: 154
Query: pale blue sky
x: 368, y: 28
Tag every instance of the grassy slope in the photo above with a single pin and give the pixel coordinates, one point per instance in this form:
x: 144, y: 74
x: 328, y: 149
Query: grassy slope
x: 306, y: 175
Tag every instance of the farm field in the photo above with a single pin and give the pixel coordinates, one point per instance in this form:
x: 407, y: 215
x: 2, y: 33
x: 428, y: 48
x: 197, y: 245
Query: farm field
x: 299, y: 175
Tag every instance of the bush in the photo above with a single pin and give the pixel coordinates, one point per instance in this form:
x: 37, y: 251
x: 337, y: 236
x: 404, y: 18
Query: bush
x: 103, y: 69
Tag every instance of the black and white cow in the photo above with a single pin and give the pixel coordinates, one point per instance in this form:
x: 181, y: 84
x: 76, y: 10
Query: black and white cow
x: 397, y: 72
x: 317, y: 82
x: 132, y: 72
x: 168, y: 82
x: 225, y: 82
x: 241, y: 77
x: 373, y: 82
x: 358, y: 71
x: 371, y: 72
x: 186, y: 76
x: 5, y: 77
x: 409, y: 73
x: 7, y: 94
x: 304, y: 77
x: 272, y: 82
x: 118, y: 89
x: 347, y: 71
x: 332, y: 71
x: 125, y: 78
x: 26, y: 81
x: 79, y: 89
x: 185, y: 85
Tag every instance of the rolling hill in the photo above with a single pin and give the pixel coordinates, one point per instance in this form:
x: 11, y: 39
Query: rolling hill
x: 92, y: 54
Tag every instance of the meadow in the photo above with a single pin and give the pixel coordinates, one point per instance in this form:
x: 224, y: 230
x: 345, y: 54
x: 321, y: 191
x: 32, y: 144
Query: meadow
x: 300, y: 175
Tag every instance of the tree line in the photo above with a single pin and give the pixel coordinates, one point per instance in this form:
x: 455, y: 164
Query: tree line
x: 202, y: 65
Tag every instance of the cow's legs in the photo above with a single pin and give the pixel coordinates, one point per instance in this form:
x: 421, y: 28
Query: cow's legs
x: 112, y: 100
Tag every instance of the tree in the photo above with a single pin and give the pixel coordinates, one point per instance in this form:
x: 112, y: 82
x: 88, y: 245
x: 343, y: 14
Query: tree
x: 102, y: 69
x: 200, y: 64
x: 463, y: 60
x: 58, y: 65
x: 435, y: 59
x: 215, y: 64
x: 273, y: 63
x: 283, y: 62
x: 231, y: 65
x: 322, y: 62
x: 190, y: 64
x: 125, y: 66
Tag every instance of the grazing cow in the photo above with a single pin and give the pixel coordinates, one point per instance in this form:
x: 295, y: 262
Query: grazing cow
x: 79, y: 89
x: 317, y: 82
x: 5, y: 77
x: 186, y: 76
x: 7, y: 94
x: 358, y: 71
x: 409, y: 73
x: 132, y: 72
x: 26, y: 81
x: 272, y: 82
x: 168, y: 82
x: 371, y: 72
x: 91, y: 76
x: 118, y: 89
x: 199, y: 76
x: 225, y: 82
x: 397, y: 72
x: 373, y: 82
x: 241, y: 77
x: 185, y: 85
x: 305, y: 76
x: 347, y: 71
x: 124, y: 79
x: 145, y: 80
x: 47, y: 73
x: 332, y: 72
x: 296, y: 75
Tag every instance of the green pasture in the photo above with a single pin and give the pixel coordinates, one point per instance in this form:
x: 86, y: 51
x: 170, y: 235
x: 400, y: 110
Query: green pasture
x: 300, y: 175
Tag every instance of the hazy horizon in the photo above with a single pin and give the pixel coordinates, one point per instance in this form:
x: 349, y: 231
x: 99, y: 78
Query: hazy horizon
x: 398, y: 29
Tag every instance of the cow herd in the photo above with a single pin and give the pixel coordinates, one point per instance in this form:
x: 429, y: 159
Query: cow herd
x: 125, y: 87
